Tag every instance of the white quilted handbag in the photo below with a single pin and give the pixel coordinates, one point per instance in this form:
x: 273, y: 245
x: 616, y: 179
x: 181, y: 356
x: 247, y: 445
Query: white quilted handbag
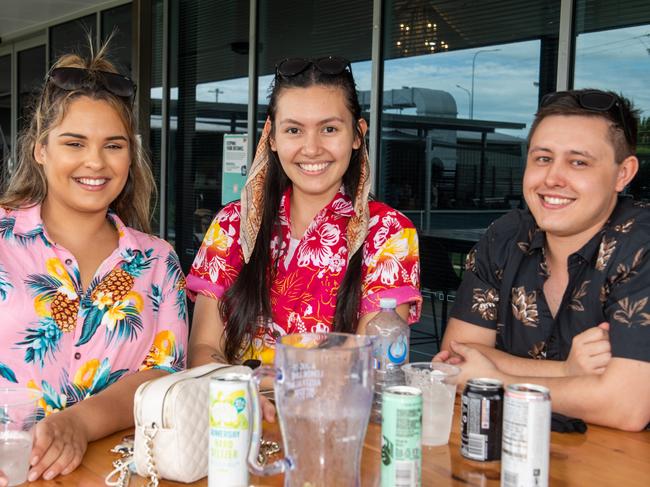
x: 171, y: 423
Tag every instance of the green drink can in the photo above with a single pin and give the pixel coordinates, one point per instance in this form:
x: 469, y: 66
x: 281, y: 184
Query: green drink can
x: 401, y: 437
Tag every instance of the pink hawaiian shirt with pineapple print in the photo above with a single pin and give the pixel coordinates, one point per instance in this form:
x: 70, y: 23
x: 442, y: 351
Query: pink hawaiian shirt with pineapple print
x: 71, y: 343
x: 303, y: 293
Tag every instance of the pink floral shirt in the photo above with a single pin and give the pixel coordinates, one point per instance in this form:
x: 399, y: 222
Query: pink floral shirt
x: 71, y: 344
x: 303, y: 294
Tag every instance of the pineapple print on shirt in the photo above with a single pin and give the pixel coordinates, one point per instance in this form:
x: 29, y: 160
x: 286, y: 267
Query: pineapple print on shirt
x: 112, y: 304
x: 71, y: 343
x: 56, y: 301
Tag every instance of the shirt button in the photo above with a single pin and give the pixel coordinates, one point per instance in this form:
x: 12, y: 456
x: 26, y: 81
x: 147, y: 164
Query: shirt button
x: 77, y: 355
x: 68, y: 261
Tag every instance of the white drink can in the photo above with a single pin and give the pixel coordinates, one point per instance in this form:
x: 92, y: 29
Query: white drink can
x: 229, y: 436
x: 526, y: 436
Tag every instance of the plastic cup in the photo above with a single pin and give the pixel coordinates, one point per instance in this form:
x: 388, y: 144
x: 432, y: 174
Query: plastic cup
x: 17, y: 416
x: 437, y: 381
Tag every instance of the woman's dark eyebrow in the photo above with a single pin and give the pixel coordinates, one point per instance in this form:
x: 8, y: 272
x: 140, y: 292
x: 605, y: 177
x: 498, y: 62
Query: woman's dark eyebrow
x: 70, y: 134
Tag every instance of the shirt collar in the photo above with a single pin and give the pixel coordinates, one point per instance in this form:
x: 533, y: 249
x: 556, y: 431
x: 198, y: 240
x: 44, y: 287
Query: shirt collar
x: 341, y: 205
x: 28, y: 220
x: 588, y: 251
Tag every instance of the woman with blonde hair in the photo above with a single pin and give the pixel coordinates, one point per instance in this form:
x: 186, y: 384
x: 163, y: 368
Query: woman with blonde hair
x: 92, y: 305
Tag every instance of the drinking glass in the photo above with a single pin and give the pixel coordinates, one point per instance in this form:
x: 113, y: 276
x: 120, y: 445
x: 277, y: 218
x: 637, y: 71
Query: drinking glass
x: 17, y: 416
x: 323, y: 390
x: 437, y: 381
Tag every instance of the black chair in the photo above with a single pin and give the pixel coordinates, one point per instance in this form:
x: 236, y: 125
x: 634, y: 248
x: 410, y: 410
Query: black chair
x: 437, y: 278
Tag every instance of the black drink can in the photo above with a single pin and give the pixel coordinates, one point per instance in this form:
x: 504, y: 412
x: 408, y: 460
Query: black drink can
x: 481, y: 420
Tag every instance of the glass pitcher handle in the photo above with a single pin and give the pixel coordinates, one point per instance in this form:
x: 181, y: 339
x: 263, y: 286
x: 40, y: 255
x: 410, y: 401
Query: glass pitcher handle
x: 254, y: 466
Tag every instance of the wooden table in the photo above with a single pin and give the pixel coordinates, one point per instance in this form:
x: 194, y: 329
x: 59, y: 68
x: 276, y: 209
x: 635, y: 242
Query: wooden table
x: 601, y: 457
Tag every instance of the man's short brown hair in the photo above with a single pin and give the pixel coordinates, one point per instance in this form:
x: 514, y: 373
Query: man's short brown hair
x: 623, y: 118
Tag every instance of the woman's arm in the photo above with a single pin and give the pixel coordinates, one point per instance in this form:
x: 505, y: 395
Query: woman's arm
x: 206, y: 344
x: 61, y: 439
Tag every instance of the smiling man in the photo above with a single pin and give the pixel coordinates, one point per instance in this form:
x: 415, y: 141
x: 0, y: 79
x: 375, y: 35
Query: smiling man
x: 567, y: 280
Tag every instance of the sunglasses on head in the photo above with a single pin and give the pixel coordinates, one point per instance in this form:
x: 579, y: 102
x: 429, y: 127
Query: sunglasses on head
x: 597, y: 101
x: 76, y: 78
x: 331, y: 65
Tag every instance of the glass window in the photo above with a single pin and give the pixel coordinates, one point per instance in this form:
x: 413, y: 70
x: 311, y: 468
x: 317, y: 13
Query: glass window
x: 155, y: 116
x: 452, y: 138
x: 209, y: 86
x: 72, y: 37
x: 31, y: 72
x: 461, y: 84
x: 338, y: 28
x: 5, y: 111
x: 613, y: 53
x: 116, y: 22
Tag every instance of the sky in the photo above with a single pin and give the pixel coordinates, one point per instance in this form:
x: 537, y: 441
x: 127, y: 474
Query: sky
x: 505, y: 75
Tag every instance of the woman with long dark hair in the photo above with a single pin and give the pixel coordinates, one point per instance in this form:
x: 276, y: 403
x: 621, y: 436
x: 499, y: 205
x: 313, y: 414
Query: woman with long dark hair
x: 304, y: 250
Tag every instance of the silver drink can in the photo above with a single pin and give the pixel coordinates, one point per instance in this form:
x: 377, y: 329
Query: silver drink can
x: 229, y: 435
x: 526, y: 436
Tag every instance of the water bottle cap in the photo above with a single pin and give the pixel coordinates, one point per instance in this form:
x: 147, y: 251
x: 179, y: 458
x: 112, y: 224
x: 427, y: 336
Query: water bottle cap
x: 388, y: 303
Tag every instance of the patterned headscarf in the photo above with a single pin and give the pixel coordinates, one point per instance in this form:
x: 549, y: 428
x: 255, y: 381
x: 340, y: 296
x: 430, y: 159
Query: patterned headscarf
x: 252, y: 200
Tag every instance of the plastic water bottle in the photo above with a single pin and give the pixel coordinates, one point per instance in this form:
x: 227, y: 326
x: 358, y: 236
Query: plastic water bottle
x: 390, y: 350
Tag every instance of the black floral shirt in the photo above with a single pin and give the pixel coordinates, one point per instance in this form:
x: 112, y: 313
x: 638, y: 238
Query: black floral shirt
x: 609, y: 280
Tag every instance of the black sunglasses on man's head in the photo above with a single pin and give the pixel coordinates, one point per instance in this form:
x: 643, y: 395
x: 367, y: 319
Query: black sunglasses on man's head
x: 76, y: 78
x: 597, y: 101
x: 331, y: 65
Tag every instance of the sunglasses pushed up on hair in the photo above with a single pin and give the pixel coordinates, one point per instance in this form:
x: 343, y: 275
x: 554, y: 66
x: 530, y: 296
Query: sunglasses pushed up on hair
x: 69, y: 79
x: 331, y: 65
x: 597, y: 101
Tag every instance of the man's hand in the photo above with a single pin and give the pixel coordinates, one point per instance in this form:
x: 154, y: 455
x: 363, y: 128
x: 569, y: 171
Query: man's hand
x: 59, y: 446
x: 447, y: 357
x: 590, y: 352
x: 474, y: 364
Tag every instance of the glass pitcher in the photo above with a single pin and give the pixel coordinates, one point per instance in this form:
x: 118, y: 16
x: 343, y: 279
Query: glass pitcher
x: 323, y: 390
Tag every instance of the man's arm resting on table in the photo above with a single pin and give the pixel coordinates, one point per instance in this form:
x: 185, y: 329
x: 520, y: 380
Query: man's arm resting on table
x: 618, y: 398
x: 484, y: 339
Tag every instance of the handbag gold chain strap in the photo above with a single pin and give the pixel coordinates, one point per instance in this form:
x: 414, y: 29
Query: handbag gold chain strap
x: 151, y: 464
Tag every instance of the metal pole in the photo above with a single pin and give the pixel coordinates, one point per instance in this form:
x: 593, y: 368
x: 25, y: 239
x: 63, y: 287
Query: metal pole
x: 376, y: 92
x: 164, y: 120
x: 471, y: 98
x: 252, y: 81
x: 565, y: 46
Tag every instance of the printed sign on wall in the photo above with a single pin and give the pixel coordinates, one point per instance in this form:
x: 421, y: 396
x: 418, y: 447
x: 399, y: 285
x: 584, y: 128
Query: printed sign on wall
x: 235, y: 158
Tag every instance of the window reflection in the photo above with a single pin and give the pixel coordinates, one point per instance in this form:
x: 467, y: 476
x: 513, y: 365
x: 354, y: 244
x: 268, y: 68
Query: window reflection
x: 619, y: 59
x: 453, y: 138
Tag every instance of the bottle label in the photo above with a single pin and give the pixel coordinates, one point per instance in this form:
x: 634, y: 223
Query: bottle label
x: 390, y: 353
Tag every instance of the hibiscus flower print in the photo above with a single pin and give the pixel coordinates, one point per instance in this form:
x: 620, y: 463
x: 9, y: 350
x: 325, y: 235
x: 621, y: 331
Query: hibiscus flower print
x: 337, y: 261
x: 389, y: 226
x: 219, y: 238
x: 343, y: 206
x: 316, y: 246
x: 229, y: 213
x: 387, y: 266
x: 278, y: 247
